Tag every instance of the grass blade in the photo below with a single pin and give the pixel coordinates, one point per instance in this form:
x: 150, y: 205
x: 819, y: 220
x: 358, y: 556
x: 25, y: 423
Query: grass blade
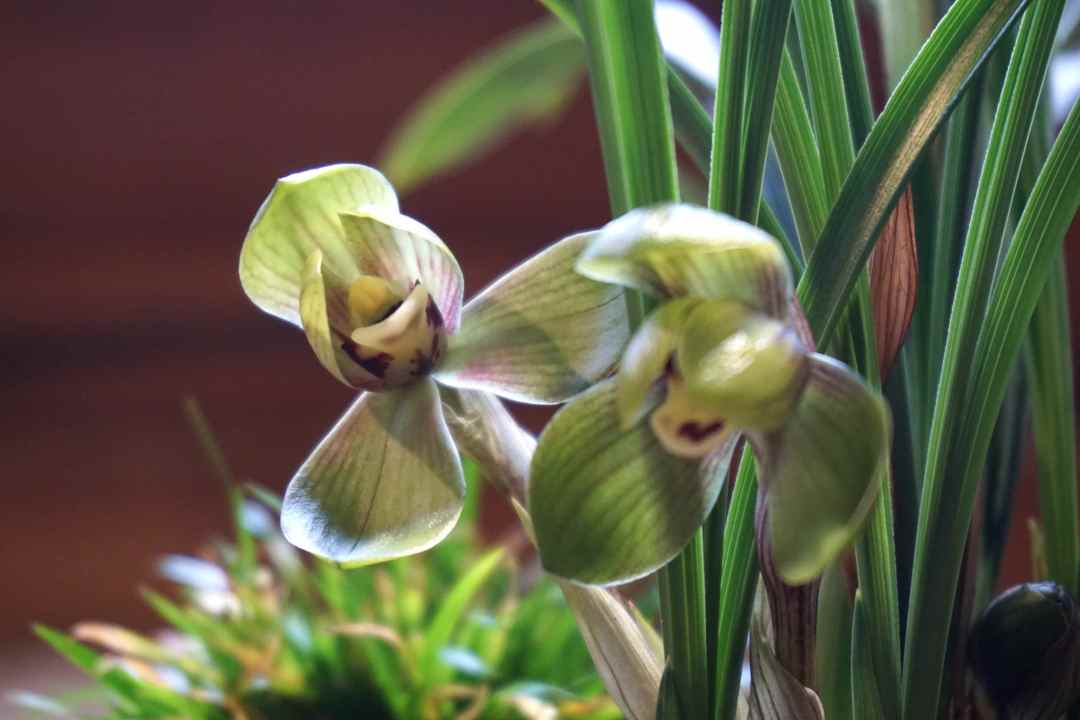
x: 856, y: 82
x: 949, y: 485
x: 725, y: 174
x: 825, y: 87
x: 768, y: 28
x: 1053, y: 422
x: 921, y: 102
x: 628, y: 77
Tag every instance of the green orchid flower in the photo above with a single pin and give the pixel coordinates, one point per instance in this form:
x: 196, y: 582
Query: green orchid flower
x: 627, y: 472
x: 379, y: 297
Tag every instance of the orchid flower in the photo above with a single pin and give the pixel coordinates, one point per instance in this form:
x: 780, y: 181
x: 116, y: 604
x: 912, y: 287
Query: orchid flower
x: 626, y: 473
x: 379, y: 297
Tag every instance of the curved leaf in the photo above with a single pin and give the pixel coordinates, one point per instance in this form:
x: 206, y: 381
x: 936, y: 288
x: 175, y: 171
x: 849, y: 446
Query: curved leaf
x: 610, y: 505
x: 385, y: 482
x: 922, y: 100
x: 300, y: 215
x: 526, y: 78
x: 539, y: 334
x: 820, y: 471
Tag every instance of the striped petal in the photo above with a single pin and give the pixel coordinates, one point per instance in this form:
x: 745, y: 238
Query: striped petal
x: 384, y: 483
x: 821, y: 470
x: 678, y: 250
x: 387, y: 244
x: 541, y: 333
x: 610, y: 505
x: 301, y: 215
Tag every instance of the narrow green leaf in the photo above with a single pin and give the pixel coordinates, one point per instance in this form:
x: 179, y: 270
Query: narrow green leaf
x: 768, y: 28
x: 825, y: 83
x: 1050, y: 372
x: 949, y: 486
x: 524, y: 79
x: 865, y: 698
x: 832, y: 660
x: 738, y: 582
x: 631, y: 101
x: 800, y: 160
x: 914, y: 112
x: 438, y: 634
x: 856, y: 83
x: 725, y: 173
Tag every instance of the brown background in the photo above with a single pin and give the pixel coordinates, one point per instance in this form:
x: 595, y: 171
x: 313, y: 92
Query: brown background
x: 137, y: 140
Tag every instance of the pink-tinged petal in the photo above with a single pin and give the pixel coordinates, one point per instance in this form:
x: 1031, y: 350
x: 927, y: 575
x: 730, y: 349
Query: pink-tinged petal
x: 385, y: 243
x: 541, y: 333
x: 384, y: 483
x: 300, y: 215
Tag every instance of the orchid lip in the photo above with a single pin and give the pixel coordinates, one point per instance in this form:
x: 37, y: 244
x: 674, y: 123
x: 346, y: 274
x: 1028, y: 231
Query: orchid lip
x: 406, y: 344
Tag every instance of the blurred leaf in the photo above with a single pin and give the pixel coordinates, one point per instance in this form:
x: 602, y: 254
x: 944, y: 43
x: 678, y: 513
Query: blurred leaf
x: 451, y: 610
x: 39, y: 704
x: 526, y: 78
x: 894, y: 277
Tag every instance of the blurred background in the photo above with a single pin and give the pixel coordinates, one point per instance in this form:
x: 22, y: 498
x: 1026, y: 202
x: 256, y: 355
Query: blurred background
x: 138, y: 139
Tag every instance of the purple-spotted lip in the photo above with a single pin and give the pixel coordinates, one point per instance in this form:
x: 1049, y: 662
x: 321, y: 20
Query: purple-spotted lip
x: 404, y: 346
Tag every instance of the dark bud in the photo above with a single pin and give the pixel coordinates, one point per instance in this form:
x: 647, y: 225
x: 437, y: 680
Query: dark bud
x: 1025, y: 651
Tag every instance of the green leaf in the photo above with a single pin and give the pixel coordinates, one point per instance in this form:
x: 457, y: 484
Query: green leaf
x: 865, y: 698
x: 541, y: 333
x: 914, y: 112
x: 820, y: 471
x: 452, y: 607
x: 725, y: 173
x: 1050, y: 377
x: 628, y: 77
x: 680, y: 250
x: 610, y: 505
x: 524, y: 79
x: 949, y: 483
x: 299, y: 216
x: 385, y: 482
x: 825, y: 84
x: 768, y: 28
x: 832, y: 658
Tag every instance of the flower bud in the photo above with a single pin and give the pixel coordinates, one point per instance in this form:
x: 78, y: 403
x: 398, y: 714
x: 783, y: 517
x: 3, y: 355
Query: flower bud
x: 1025, y: 651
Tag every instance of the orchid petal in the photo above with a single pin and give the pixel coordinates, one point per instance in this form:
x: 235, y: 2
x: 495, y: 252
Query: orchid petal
x: 299, y: 216
x: 387, y: 244
x: 647, y: 357
x: 745, y: 366
x: 539, y: 334
x: 821, y: 471
x: 315, y: 320
x: 676, y: 250
x: 384, y: 483
x: 609, y: 505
